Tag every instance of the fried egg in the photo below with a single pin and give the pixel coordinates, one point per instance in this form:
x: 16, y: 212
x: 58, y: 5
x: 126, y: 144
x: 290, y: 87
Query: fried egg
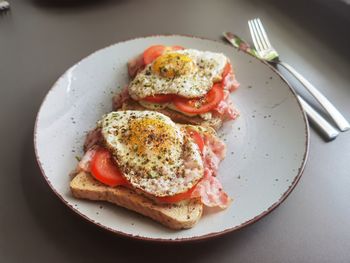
x: 153, y: 153
x: 189, y: 73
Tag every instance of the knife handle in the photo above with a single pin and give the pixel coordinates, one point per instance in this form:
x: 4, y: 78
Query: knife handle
x: 327, y: 130
x: 338, y: 118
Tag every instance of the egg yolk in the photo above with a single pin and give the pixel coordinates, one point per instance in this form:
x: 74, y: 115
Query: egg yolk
x: 172, y: 65
x: 151, y: 134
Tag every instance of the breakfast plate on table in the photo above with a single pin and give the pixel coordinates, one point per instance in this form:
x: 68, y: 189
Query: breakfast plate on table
x: 267, y: 145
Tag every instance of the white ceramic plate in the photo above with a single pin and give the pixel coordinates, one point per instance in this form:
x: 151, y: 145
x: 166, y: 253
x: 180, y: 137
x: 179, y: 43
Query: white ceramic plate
x: 267, y: 145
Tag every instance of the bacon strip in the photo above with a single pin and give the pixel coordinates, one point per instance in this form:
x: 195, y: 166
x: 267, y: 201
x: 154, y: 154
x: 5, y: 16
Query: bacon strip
x: 230, y: 83
x: 213, y: 153
x: 135, y: 66
x: 120, y: 98
x: 92, y: 138
x: 209, y: 189
x: 226, y: 109
x: 84, y: 164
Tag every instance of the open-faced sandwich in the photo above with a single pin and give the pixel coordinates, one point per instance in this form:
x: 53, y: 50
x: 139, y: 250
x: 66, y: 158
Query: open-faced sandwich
x: 188, y: 85
x: 145, y: 162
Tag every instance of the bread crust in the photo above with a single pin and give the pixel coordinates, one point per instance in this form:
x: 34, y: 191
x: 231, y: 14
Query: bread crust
x: 182, y: 215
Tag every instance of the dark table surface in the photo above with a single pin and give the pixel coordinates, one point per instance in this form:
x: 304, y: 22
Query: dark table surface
x: 40, y: 39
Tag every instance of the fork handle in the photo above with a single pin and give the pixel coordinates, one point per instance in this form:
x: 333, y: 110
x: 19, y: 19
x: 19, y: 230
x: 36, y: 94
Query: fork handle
x: 338, y: 118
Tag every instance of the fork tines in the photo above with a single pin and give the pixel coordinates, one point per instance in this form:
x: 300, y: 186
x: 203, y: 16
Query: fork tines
x: 260, y: 39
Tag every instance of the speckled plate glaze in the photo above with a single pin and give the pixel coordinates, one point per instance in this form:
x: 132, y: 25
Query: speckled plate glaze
x: 267, y: 145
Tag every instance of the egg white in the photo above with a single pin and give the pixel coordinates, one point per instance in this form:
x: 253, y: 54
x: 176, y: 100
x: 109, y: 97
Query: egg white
x: 154, y: 154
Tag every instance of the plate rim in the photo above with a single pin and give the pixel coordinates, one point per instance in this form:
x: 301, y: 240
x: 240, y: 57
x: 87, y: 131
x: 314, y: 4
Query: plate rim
x: 194, y: 238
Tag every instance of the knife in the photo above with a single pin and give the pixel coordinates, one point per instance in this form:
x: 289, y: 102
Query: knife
x: 326, y: 129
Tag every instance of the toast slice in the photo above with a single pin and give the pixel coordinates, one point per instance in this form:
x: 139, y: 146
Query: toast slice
x: 214, y: 122
x: 175, y: 216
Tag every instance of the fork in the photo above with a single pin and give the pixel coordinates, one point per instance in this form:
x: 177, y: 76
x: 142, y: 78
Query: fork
x: 268, y: 53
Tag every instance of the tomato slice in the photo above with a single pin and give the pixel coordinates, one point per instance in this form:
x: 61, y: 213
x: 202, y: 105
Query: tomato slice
x: 155, y: 51
x: 161, y: 98
x: 152, y: 53
x: 178, y: 197
x: 177, y: 48
x: 201, y: 105
x: 227, y: 70
x: 105, y: 170
x: 197, y: 139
